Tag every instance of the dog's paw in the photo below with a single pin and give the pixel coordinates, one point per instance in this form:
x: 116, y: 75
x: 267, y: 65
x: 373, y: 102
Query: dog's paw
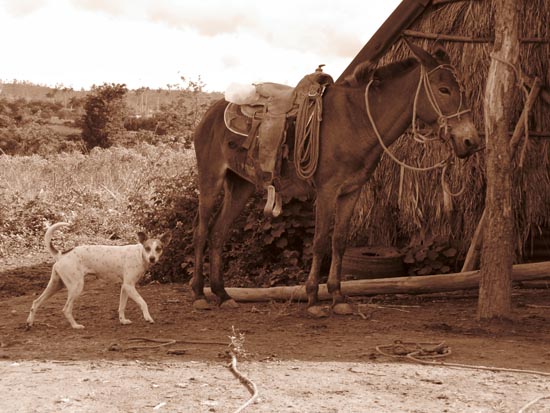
x: 78, y: 326
x: 125, y: 321
x: 150, y: 320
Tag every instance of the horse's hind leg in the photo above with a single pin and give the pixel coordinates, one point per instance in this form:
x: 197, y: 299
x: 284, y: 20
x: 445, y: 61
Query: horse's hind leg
x: 345, y: 205
x: 209, y: 187
x: 236, y: 193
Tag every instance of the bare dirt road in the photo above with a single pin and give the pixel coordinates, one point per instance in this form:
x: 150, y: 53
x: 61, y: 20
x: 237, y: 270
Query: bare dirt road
x: 297, y: 363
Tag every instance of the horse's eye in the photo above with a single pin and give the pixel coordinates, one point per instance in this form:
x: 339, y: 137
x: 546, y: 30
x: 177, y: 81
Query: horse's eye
x: 444, y: 91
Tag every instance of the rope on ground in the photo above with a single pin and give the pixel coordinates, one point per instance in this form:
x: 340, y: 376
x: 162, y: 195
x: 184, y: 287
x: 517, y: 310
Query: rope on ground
x: 162, y: 342
x: 532, y: 403
x: 249, y: 384
x: 423, y: 351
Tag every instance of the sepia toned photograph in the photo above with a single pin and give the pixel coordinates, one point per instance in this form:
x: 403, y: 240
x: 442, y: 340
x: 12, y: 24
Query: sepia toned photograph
x: 295, y: 206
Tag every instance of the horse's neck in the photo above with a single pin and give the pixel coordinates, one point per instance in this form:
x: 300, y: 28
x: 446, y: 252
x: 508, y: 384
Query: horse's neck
x: 391, y: 104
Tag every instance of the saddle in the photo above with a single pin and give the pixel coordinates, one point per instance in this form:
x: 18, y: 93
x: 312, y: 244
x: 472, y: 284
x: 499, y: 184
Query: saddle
x: 262, y: 113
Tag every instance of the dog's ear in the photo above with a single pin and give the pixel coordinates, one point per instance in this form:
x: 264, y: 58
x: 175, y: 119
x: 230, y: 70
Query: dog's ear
x: 166, y: 238
x: 142, y: 237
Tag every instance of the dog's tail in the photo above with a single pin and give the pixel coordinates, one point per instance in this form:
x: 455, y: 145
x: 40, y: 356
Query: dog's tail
x: 48, y: 238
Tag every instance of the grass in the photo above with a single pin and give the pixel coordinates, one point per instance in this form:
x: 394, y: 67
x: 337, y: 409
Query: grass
x: 93, y: 192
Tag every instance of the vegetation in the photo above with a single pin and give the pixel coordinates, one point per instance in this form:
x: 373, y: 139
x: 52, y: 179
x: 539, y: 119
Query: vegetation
x: 105, y: 110
x: 137, y: 174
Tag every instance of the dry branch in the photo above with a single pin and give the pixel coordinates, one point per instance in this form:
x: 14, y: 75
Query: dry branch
x: 398, y: 285
x: 472, y: 257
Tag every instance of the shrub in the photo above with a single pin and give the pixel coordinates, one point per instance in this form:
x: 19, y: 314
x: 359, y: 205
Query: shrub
x: 105, y: 108
x: 269, y: 251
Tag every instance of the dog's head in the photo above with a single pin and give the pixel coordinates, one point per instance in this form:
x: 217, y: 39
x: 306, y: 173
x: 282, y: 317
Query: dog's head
x: 153, y: 247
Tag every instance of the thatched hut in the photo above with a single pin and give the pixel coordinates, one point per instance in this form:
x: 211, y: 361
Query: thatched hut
x: 402, y: 207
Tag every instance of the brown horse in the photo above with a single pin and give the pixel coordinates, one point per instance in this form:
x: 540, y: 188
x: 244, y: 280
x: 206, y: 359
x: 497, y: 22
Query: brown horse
x: 370, y: 103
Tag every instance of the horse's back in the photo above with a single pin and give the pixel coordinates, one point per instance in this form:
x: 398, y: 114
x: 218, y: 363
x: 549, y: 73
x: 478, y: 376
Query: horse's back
x: 210, y: 128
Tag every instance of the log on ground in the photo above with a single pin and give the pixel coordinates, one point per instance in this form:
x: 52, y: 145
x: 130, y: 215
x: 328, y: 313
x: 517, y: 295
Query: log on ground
x: 398, y: 285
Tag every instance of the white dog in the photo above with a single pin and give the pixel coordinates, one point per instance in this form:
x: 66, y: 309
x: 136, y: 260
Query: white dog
x: 126, y: 263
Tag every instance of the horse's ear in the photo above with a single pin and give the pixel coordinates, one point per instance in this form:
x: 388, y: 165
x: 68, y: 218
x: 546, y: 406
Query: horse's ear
x: 440, y: 54
x: 425, y: 58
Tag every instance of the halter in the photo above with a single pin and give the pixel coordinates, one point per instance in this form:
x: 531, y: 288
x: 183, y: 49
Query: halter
x: 442, y: 119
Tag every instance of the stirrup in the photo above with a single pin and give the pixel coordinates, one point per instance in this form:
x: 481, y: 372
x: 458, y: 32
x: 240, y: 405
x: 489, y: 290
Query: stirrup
x: 274, y: 203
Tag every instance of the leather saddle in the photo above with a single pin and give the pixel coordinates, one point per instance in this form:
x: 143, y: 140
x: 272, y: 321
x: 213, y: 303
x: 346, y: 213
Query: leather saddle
x: 263, y: 118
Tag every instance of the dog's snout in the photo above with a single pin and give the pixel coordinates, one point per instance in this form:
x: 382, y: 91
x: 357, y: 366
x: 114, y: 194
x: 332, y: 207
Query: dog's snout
x: 152, y: 260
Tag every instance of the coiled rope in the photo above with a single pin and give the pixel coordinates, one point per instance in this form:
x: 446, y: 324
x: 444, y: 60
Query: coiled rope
x: 306, y: 144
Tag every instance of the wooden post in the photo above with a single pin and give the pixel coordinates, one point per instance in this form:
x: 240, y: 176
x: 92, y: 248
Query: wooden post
x: 472, y: 258
x: 495, y: 289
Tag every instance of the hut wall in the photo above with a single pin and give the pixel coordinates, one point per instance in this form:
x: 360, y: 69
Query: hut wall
x: 382, y: 217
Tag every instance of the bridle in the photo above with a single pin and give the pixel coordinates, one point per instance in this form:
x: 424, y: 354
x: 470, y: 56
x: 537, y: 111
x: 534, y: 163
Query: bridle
x: 442, y: 119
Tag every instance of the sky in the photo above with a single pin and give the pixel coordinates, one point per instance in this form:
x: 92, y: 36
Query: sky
x: 153, y: 43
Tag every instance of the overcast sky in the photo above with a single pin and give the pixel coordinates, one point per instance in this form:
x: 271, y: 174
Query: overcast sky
x: 78, y: 43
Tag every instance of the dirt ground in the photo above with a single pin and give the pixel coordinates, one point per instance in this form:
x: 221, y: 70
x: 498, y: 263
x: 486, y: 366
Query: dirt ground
x: 297, y: 363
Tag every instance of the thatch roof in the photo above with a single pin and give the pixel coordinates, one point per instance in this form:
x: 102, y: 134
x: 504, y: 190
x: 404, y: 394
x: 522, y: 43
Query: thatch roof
x: 383, y: 219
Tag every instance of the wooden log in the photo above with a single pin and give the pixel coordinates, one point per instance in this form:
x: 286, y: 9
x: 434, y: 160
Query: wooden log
x: 398, y: 285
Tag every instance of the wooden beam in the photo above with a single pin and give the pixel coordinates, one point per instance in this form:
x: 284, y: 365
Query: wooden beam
x: 522, y: 122
x: 398, y: 285
x: 474, y: 252
x: 532, y: 134
x: 466, y: 39
x: 438, y: 2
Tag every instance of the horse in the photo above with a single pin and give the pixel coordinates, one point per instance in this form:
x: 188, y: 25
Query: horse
x: 361, y: 118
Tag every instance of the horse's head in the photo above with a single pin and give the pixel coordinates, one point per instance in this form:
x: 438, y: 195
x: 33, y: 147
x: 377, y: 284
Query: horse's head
x: 441, y: 101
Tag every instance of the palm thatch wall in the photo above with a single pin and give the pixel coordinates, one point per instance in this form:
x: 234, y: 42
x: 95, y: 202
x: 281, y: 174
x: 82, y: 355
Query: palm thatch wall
x: 384, y: 217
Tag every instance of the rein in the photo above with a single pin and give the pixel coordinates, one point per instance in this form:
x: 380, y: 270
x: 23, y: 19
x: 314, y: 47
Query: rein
x: 442, y: 119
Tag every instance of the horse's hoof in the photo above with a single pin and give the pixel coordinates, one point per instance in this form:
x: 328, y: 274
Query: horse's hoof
x: 230, y: 303
x: 201, y: 304
x: 318, y: 311
x: 342, y: 309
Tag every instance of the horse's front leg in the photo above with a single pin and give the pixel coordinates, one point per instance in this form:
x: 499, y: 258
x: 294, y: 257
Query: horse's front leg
x: 345, y: 205
x: 324, y: 208
x: 236, y: 194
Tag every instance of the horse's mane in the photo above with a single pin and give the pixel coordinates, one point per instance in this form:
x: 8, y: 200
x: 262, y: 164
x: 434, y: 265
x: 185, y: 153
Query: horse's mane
x: 365, y: 72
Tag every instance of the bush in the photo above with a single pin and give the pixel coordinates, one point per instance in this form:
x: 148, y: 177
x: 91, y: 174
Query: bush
x: 172, y: 206
x: 105, y: 109
x: 270, y: 251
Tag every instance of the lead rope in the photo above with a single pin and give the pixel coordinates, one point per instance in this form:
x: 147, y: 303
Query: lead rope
x: 441, y: 164
x: 442, y: 121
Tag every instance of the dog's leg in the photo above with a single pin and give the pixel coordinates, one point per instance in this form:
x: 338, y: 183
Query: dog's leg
x: 122, y: 306
x: 54, y: 285
x: 74, y: 290
x: 134, y: 295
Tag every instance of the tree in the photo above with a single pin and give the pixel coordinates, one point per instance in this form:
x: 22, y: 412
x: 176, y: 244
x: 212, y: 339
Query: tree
x: 495, y: 290
x: 105, y: 109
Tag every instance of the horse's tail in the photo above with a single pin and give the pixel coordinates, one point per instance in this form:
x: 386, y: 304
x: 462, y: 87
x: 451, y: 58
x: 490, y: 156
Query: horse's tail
x: 48, y: 239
